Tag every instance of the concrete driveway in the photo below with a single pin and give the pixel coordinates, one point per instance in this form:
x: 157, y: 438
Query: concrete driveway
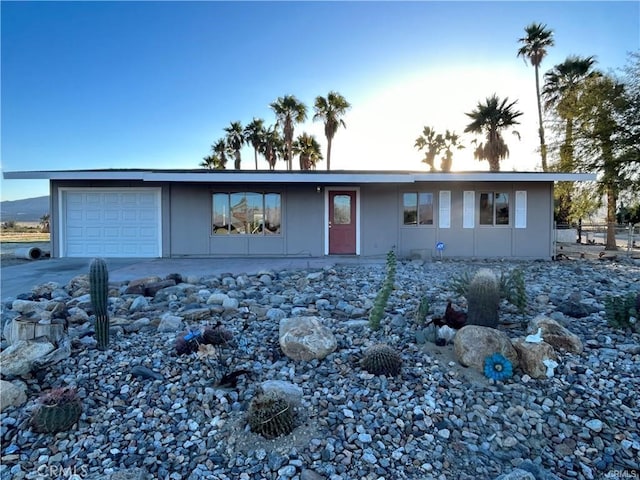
x: 22, y: 278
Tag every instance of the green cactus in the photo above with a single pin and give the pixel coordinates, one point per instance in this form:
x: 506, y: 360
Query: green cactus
x: 99, y: 289
x: 619, y: 310
x: 381, y: 359
x: 58, y: 411
x: 483, y: 299
x: 271, y: 415
x: 423, y: 310
x: 377, y: 312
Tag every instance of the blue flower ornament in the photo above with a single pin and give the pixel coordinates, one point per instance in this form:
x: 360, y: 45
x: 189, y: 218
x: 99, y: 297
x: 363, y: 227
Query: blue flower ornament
x: 497, y: 367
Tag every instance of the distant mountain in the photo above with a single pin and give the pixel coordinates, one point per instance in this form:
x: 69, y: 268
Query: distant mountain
x: 27, y: 210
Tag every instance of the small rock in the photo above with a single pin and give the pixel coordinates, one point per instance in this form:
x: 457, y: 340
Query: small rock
x: 594, y: 425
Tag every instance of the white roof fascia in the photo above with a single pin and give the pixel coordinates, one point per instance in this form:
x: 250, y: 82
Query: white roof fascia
x: 324, y: 178
x: 503, y: 177
x: 296, y: 177
x: 75, y: 175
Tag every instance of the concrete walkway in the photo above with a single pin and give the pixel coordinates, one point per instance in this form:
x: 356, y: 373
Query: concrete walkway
x: 22, y: 278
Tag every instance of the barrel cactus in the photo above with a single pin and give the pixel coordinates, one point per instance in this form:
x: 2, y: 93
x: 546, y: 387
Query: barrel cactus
x: 271, y: 415
x: 381, y: 359
x: 58, y: 411
x: 99, y: 291
x: 483, y: 299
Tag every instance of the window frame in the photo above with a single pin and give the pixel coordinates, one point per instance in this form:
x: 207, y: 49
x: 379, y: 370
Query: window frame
x: 264, y: 195
x: 417, y: 224
x: 494, y: 207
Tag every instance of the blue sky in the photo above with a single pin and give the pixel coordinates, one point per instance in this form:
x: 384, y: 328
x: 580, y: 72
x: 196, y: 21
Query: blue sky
x: 153, y: 84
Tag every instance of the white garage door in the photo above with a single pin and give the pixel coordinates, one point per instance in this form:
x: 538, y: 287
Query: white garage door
x: 106, y: 222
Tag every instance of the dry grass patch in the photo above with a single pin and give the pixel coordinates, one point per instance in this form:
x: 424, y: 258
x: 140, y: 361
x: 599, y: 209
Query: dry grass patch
x: 24, y: 237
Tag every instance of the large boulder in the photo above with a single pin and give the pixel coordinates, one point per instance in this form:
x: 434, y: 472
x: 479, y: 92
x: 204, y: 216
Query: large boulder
x: 170, y: 323
x: 305, y: 338
x: 12, y: 394
x: 78, y: 285
x: 473, y: 344
x: 556, y: 335
x: 26, y: 307
x: 532, y: 356
x: 18, y: 358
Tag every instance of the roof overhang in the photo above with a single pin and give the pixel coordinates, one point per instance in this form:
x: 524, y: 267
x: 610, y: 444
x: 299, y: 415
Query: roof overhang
x: 333, y: 177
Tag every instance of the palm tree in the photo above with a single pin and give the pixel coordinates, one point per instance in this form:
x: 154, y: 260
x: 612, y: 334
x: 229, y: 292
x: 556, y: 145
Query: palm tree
x: 235, y: 140
x: 308, y: 149
x: 451, y: 141
x: 433, y: 143
x: 538, y: 38
x: 212, y: 162
x: 490, y: 119
x: 253, y: 135
x: 220, y: 149
x: 329, y: 109
x: 562, y: 92
x: 289, y: 111
x: 272, y: 146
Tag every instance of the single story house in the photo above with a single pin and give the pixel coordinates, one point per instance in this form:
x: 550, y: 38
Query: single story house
x: 213, y: 213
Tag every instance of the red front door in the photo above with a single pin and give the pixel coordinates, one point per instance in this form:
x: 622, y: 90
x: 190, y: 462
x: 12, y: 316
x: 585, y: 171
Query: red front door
x: 342, y: 222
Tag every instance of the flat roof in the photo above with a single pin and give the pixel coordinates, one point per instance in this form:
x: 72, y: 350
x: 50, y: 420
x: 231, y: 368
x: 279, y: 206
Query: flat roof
x: 287, y: 176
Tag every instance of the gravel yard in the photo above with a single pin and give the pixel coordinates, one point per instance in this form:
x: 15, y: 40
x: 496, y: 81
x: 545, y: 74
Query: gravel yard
x: 436, y: 419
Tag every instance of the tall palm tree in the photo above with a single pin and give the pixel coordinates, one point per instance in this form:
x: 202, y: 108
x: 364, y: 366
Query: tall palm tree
x: 329, y: 109
x: 289, y: 111
x: 451, y: 141
x: 253, y: 133
x: 563, y: 87
x: 235, y: 140
x: 212, y: 162
x: 561, y: 92
x: 272, y: 146
x: 220, y: 149
x: 308, y: 149
x: 490, y: 119
x: 534, y: 48
x: 432, y: 142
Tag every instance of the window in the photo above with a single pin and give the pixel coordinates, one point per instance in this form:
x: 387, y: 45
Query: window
x: 494, y: 208
x: 417, y: 208
x: 246, y: 213
x: 342, y: 209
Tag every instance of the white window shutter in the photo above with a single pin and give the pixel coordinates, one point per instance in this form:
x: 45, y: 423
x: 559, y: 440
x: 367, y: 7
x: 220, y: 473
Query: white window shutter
x: 468, y: 209
x: 521, y: 209
x: 444, y: 209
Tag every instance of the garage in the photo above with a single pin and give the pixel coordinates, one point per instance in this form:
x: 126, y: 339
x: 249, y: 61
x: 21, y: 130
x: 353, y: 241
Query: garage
x: 110, y: 222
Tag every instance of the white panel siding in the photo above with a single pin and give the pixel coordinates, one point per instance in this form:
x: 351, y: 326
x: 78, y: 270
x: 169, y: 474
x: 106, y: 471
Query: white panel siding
x: 111, y: 222
x: 521, y: 209
x: 469, y: 209
x: 444, y: 209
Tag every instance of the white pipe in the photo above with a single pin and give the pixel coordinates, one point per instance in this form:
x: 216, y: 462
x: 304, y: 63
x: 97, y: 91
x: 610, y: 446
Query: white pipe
x: 30, y: 253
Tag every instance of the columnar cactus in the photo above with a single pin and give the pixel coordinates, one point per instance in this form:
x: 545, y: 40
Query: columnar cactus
x: 99, y: 289
x: 483, y: 299
x: 57, y: 412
